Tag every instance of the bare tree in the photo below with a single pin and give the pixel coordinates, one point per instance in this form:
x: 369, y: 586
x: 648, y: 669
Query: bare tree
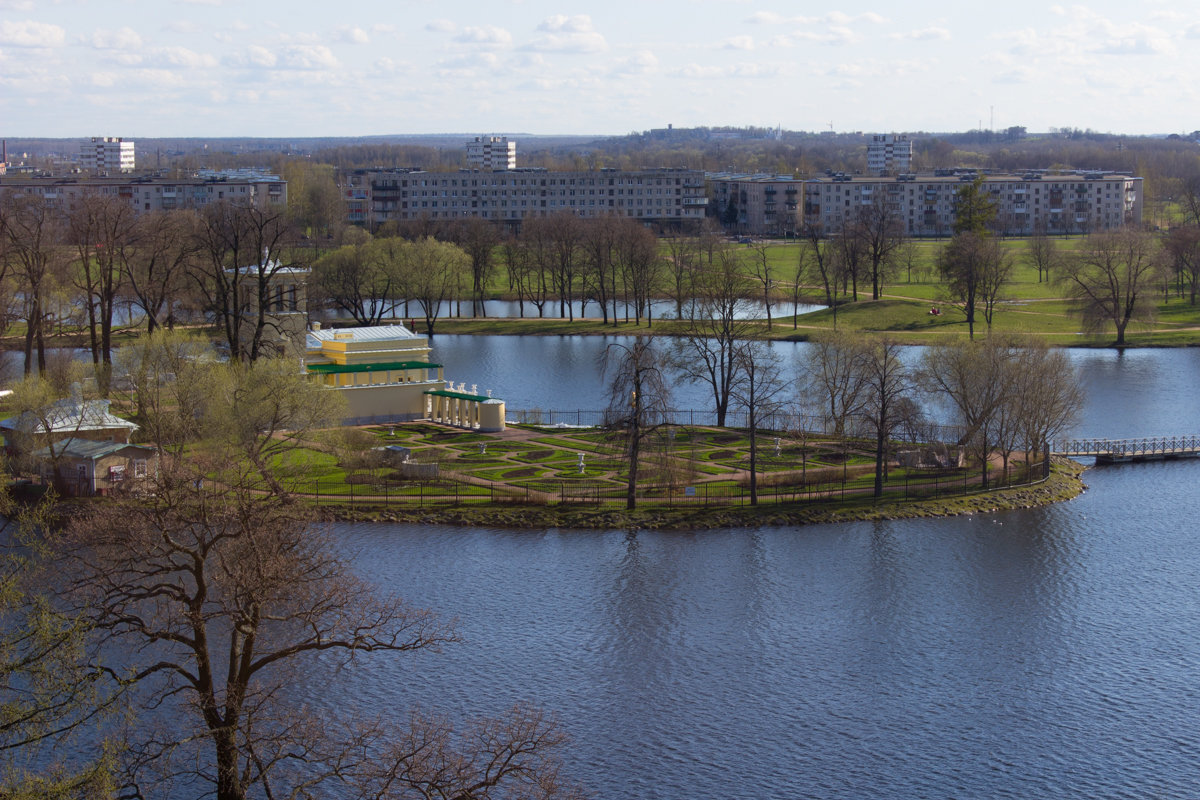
x: 975, y: 269
x: 638, y: 262
x: 163, y: 251
x: 759, y: 393
x: 1043, y: 252
x: 706, y: 353
x: 1110, y: 279
x: 762, y: 268
x: 244, y: 249
x: 639, y: 396
x: 1183, y: 246
x: 880, y: 231
x: 102, y: 228
x: 210, y: 599
x: 975, y: 380
x: 835, y: 380
x: 34, y: 233
x: 478, y: 238
x: 885, y: 381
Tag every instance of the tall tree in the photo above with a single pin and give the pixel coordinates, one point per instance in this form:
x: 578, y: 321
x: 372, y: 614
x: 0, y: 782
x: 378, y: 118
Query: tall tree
x: 433, y: 275
x: 103, y: 230
x: 885, y: 381
x: 1183, y: 247
x: 759, y: 394
x: 975, y: 380
x: 357, y: 280
x: 706, y: 352
x: 835, y: 381
x: 244, y: 248
x: 639, y: 396
x: 880, y: 229
x: 478, y: 238
x: 1110, y: 279
x: 1042, y: 252
x: 35, y: 234
x: 212, y: 599
x: 165, y: 248
x: 975, y: 268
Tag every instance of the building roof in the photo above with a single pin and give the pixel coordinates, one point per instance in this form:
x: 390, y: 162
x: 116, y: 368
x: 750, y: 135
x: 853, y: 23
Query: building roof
x: 366, y: 333
x: 332, y: 369
x: 480, y: 398
x: 89, y: 449
x: 69, y: 415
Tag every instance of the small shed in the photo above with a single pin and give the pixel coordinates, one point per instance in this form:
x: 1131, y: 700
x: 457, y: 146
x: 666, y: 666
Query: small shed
x: 87, y: 467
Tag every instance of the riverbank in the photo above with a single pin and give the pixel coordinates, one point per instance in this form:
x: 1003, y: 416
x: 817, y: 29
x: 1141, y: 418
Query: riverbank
x: 1065, y: 482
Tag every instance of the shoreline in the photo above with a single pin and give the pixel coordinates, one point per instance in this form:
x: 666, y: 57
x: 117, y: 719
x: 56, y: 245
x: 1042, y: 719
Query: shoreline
x: 1065, y: 483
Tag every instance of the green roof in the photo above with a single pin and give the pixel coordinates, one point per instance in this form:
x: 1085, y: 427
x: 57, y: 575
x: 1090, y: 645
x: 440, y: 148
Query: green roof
x: 336, y: 369
x: 460, y: 395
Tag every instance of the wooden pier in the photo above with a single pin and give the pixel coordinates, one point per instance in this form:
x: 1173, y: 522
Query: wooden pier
x: 1148, y: 448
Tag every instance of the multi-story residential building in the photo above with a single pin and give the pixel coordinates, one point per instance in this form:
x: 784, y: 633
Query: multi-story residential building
x: 106, y: 154
x: 889, y: 154
x: 1075, y: 202
x: 155, y: 192
x: 661, y: 196
x: 491, y: 152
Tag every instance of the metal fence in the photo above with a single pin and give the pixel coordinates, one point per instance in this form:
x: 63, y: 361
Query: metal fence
x: 370, y: 489
x: 778, y: 422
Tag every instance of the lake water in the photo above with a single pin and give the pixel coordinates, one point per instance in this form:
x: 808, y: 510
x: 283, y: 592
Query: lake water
x: 1052, y: 652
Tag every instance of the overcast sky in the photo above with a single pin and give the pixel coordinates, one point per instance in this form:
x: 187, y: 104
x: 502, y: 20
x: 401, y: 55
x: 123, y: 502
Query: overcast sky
x: 273, y: 68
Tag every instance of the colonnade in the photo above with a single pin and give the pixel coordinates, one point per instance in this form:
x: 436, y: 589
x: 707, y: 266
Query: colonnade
x: 451, y: 409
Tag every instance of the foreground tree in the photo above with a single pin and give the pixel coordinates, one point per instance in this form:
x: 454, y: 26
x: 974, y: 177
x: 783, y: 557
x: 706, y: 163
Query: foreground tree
x: 211, y: 598
x: 54, y: 700
x: 1111, y: 277
x: 639, y: 396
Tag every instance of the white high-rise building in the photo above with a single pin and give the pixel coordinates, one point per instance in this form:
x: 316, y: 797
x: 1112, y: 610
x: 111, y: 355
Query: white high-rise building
x: 491, y: 153
x: 106, y: 154
x: 889, y: 153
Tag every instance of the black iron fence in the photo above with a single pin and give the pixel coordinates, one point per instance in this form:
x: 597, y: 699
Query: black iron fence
x: 370, y: 489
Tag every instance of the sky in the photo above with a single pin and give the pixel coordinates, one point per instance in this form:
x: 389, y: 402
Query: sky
x: 163, y: 68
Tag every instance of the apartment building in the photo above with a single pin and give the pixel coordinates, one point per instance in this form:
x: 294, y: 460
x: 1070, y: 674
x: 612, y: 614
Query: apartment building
x: 662, y: 196
x: 1062, y: 203
x: 155, y: 192
x: 889, y: 154
x: 491, y: 153
x: 106, y: 154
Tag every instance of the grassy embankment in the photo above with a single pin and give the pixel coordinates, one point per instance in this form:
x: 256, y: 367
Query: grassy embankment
x: 1029, y: 307
x: 530, y: 479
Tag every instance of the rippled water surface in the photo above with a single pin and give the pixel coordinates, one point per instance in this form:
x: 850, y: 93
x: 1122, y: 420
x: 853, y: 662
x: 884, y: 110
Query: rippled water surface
x: 1045, y: 653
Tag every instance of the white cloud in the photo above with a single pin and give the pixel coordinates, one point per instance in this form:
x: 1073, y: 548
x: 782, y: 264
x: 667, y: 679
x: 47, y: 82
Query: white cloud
x: 739, y: 43
x: 563, y: 34
x: 255, y: 56
x: 31, y: 34
x: 440, y: 26
x: 185, y: 26
x: 485, y: 34
x: 308, y: 57
x: 924, y: 35
x: 123, y: 39
x: 180, y: 57
x: 17, y: 5
x: 640, y: 63
x: 352, y: 35
x: 741, y: 70
x: 103, y: 79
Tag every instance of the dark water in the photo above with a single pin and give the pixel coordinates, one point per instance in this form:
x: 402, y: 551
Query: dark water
x: 1045, y: 653
x: 1135, y: 393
